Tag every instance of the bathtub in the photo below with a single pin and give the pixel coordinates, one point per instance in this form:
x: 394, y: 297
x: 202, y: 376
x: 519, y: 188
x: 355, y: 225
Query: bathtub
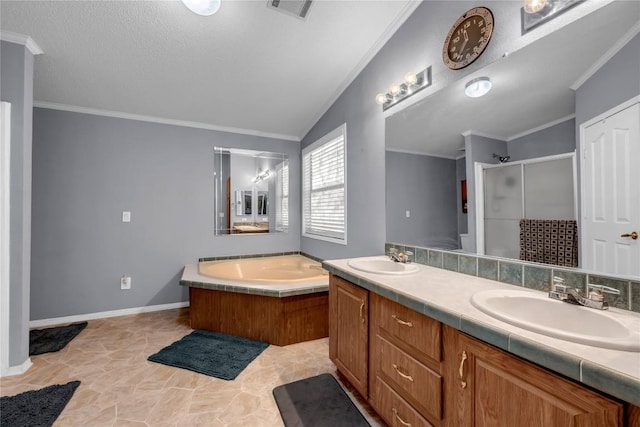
x: 278, y: 299
x: 274, y: 270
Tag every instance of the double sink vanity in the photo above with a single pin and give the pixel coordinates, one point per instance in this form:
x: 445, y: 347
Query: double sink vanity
x: 431, y: 347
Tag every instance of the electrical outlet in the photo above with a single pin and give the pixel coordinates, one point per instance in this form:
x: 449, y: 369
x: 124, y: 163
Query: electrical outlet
x: 125, y: 282
x: 408, y: 214
x: 126, y: 216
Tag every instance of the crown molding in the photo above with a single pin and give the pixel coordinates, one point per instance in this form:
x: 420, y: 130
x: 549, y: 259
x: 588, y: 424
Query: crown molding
x: 26, y: 41
x: 606, y: 57
x: 541, y: 127
x: 161, y: 120
x: 420, y: 153
x: 482, y: 134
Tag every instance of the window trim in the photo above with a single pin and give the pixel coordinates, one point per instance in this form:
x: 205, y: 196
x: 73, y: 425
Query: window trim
x: 339, y: 131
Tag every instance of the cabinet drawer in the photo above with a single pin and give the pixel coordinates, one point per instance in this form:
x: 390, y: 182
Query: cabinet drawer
x: 419, y: 333
x: 395, y: 410
x: 420, y: 385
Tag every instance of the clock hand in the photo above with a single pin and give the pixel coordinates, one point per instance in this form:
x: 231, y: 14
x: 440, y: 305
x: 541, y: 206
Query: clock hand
x: 466, y: 40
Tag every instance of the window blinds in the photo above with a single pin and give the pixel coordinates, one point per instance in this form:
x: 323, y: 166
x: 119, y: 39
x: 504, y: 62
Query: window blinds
x: 324, y: 195
x: 282, y: 196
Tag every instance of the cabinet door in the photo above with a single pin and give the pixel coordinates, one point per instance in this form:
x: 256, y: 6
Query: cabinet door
x: 349, y: 331
x: 488, y: 387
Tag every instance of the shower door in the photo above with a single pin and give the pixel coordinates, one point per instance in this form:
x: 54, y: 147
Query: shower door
x: 542, y: 188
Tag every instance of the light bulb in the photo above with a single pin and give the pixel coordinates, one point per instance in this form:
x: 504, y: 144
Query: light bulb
x: 410, y: 78
x: 394, y: 89
x: 202, y: 7
x: 533, y: 6
x: 381, y: 98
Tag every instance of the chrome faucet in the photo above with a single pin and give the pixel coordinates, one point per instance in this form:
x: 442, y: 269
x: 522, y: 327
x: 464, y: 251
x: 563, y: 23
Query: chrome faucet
x: 594, y: 299
x: 403, y: 257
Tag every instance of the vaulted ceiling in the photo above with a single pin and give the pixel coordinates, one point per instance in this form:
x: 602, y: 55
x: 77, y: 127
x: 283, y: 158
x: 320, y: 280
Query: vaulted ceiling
x: 248, y: 68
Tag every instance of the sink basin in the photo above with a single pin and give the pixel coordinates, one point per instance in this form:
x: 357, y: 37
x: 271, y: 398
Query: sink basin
x: 537, y: 313
x: 382, y: 266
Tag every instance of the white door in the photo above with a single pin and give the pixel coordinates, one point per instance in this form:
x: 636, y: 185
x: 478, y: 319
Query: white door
x: 611, y: 192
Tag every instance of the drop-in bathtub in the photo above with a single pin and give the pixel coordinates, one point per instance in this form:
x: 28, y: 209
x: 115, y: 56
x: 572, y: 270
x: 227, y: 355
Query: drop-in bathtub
x: 278, y: 299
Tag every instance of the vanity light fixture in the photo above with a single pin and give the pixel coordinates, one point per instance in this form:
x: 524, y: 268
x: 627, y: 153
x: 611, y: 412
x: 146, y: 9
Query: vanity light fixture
x: 536, y: 12
x: 202, y: 7
x: 412, y: 83
x: 262, y: 175
x: 477, y: 87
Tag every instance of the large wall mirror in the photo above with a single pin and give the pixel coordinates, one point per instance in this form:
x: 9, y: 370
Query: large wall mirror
x: 528, y: 122
x: 251, y: 191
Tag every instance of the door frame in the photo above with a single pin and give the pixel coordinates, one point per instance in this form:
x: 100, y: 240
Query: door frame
x: 5, y: 200
x: 581, y: 152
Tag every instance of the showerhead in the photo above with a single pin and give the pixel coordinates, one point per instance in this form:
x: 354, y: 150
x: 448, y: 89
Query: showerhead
x: 501, y: 159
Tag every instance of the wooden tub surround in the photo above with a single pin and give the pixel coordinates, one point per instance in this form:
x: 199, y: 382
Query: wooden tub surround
x: 268, y: 307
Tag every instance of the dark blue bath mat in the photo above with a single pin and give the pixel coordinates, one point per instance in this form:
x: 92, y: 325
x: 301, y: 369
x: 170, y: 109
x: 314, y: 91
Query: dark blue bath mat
x: 211, y: 353
x: 53, y: 339
x: 37, y: 407
x: 317, y: 402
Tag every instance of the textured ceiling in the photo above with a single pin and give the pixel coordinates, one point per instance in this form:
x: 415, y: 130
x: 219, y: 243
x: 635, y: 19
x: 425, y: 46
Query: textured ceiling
x: 531, y: 88
x: 247, y: 68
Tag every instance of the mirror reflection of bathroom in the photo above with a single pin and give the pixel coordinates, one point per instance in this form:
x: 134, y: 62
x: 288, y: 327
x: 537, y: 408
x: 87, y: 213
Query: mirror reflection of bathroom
x: 246, y: 181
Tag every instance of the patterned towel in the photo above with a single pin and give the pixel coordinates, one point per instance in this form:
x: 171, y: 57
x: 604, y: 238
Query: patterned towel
x: 549, y: 241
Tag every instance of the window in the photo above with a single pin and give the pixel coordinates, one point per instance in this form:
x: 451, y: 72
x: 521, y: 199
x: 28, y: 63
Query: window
x: 282, y: 196
x: 324, y: 189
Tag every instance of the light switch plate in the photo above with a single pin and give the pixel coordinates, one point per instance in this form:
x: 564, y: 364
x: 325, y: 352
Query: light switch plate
x: 126, y: 216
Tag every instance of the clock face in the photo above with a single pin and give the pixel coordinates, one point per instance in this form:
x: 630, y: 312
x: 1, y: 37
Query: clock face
x: 468, y: 38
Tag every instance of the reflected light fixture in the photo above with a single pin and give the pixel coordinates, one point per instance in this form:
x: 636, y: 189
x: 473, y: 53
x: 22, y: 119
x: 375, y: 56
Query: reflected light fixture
x: 202, y: 7
x: 262, y: 175
x: 411, y: 84
x: 536, y: 12
x: 477, y: 87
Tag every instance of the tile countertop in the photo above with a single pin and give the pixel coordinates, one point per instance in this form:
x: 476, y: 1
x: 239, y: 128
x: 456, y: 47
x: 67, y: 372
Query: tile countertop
x: 445, y: 296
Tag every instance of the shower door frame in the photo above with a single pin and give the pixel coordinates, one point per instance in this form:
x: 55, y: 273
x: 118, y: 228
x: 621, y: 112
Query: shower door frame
x: 479, y: 169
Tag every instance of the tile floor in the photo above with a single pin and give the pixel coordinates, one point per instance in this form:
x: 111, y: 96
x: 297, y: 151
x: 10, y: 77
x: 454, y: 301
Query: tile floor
x: 121, y: 388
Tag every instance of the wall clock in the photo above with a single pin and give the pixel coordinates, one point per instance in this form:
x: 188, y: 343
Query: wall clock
x: 468, y: 38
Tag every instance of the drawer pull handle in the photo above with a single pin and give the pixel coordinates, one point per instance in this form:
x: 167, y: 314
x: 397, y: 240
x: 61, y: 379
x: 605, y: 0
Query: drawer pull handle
x: 402, y: 374
x: 361, y: 310
x: 403, y: 422
x: 402, y: 322
x: 463, y: 383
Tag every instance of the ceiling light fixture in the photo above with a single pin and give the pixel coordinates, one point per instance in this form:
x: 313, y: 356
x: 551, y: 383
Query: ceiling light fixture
x: 412, y: 83
x: 477, y: 87
x: 533, y: 6
x: 262, y: 175
x: 202, y: 7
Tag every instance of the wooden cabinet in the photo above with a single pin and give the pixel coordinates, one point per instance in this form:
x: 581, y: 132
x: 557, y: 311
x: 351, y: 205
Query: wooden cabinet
x: 349, y: 332
x: 488, y: 387
x: 405, y: 364
x: 416, y: 371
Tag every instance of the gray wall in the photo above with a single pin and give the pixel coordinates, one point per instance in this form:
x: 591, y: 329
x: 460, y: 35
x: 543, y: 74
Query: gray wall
x: 17, y: 88
x: 617, y: 81
x: 557, y: 139
x: 426, y: 186
x: 88, y: 169
x: 416, y: 45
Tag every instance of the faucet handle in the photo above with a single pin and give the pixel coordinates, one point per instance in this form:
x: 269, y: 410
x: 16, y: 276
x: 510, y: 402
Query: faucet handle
x: 558, y: 285
x: 596, y: 291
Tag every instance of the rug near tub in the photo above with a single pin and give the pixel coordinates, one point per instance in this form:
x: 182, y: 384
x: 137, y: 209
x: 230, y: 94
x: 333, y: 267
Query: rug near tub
x: 211, y: 353
x: 53, y: 339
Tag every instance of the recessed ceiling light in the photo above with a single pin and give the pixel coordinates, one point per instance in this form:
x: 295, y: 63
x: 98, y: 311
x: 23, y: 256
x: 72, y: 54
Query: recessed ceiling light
x: 477, y: 87
x: 202, y: 7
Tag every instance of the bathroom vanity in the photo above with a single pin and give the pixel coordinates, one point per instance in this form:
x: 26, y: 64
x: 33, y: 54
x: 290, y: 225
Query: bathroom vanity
x: 422, y: 355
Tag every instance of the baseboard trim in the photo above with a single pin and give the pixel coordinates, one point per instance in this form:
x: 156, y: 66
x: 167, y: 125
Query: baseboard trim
x: 106, y: 314
x: 17, y: 370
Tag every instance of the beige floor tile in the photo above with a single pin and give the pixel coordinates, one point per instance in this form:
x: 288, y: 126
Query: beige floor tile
x: 120, y: 387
